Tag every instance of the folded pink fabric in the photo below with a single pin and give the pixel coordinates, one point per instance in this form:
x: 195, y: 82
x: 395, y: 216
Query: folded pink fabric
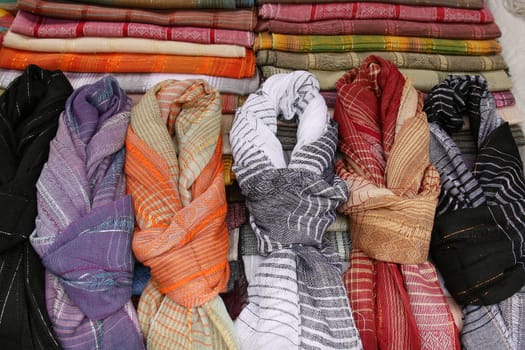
x: 47, y: 27
x: 370, y: 10
x: 387, y: 26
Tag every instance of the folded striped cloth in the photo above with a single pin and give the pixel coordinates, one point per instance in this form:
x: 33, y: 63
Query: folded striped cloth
x: 476, y: 4
x: 393, y: 289
x: 174, y: 173
x: 385, y: 26
x: 297, y: 299
x: 333, y: 61
x: 372, y: 10
x: 29, y: 111
x: 345, y: 43
x: 480, y: 224
x: 240, y: 19
x: 171, y: 4
x: 85, y: 221
x: 47, y: 27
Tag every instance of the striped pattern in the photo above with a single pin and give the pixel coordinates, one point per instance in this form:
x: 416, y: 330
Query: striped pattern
x: 139, y: 83
x: 29, y: 111
x: 422, y: 79
x: 174, y: 172
x: 475, y: 4
x: 171, y: 4
x: 85, y: 221
x: 346, y: 60
x: 478, y: 232
x: 374, y: 10
x: 386, y: 26
x: 344, y: 43
x: 47, y: 27
x: 241, y: 19
x: 237, y: 67
x: 297, y: 299
x: 384, y: 138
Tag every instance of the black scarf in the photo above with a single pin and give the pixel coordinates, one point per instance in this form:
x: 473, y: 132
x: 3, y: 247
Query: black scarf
x: 479, y: 232
x: 29, y: 111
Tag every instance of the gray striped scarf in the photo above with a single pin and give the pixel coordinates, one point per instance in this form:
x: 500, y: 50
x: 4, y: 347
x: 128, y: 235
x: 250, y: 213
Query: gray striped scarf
x: 297, y: 299
x: 478, y: 235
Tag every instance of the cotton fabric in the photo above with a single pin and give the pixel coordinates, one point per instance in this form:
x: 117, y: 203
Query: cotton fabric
x: 297, y: 299
x: 174, y: 173
x: 29, y: 111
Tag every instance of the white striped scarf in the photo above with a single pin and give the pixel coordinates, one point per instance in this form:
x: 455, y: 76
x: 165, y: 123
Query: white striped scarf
x: 479, y: 230
x: 297, y: 299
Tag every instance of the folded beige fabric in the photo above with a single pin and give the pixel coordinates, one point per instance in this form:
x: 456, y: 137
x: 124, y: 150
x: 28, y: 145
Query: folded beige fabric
x: 130, y: 45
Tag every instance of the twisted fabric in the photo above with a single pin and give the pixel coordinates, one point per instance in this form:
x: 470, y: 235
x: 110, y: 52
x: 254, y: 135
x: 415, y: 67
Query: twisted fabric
x: 479, y: 230
x: 85, y: 221
x: 29, y: 111
x: 297, y: 299
x: 174, y: 172
x: 394, y: 291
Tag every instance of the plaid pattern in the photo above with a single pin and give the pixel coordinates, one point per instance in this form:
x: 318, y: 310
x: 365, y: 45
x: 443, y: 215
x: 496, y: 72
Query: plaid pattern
x: 331, y: 61
x: 387, y: 26
x: 374, y: 10
x: 131, y: 63
x: 241, y: 19
x: 180, y: 205
x: 475, y: 4
x: 85, y: 221
x: 504, y: 98
x: 171, y: 4
x: 47, y: 27
x: 344, y: 43
x: 394, y: 191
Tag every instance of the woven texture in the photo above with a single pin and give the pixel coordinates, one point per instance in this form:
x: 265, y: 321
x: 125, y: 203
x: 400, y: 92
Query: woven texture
x: 382, y: 27
x: 241, y: 19
x: 346, y: 60
x: 297, y: 299
x: 476, y: 4
x: 358, y: 10
x: 480, y: 224
x: 47, y: 27
x: 85, y: 221
x: 344, y: 43
x: 29, y: 111
x: 171, y: 4
x: 384, y: 138
x: 131, y: 63
x: 174, y: 173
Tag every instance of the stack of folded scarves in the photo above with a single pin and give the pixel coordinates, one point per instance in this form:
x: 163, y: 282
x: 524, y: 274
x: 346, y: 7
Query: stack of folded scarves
x: 427, y: 40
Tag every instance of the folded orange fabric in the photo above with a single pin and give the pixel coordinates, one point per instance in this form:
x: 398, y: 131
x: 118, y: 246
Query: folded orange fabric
x: 238, y: 67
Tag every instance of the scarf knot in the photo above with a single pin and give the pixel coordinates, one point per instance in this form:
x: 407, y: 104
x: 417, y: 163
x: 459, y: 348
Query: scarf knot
x: 478, y: 233
x: 292, y: 200
x: 174, y: 172
x: 85, y: 222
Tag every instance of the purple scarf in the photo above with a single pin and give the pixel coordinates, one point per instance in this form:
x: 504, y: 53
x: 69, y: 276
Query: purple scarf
x: 85, y: 221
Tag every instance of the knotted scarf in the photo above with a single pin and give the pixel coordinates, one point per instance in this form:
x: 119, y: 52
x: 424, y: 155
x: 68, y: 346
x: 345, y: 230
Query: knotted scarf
x: 29, y: 111
x: 297, y: 299
x: 85, y: 221
x: 477, y: 242
x: 174, y: 172
x: 394, y: 292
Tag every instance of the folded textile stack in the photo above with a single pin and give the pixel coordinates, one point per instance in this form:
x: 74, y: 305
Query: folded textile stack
x: 427, y: 40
